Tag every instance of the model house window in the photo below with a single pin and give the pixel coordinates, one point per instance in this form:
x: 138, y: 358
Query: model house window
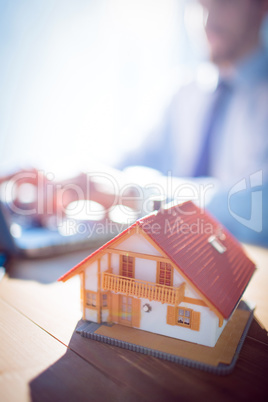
x: 91, y: 298
x: 127, y: 266
x: 104, y: 300
x: 165, y: 274
x: 184, y: 317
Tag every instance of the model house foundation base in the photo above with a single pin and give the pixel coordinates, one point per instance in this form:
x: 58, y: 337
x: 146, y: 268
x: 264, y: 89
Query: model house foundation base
x: 219, y: 360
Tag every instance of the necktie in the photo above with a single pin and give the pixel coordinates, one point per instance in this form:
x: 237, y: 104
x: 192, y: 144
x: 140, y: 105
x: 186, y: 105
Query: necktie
x: 216, y: 112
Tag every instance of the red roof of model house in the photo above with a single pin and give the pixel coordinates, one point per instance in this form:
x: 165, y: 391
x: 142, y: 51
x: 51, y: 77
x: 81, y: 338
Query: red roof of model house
x: 201, y: 249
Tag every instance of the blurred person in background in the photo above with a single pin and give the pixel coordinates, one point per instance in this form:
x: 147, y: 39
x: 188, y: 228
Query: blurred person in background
x: 222, y: 132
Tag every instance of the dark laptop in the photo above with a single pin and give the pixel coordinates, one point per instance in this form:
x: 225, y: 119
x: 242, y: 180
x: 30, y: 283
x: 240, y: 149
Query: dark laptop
x: 31, y: 242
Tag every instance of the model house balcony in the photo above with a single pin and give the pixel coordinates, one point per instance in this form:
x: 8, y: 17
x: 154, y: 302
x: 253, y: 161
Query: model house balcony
x: 143, y: 289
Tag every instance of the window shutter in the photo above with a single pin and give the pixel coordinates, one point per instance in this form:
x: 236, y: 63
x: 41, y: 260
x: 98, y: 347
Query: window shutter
x: 136, y: 312
x: 114, y: 307
x: 171, y: 315
x: 195, y: 319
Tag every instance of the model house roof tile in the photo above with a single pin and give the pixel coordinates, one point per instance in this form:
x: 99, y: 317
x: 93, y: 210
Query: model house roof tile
x: 184, y: 234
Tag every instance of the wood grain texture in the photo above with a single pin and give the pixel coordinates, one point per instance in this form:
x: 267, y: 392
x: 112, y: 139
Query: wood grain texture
x: 34, y: 364
x: 43, y: 359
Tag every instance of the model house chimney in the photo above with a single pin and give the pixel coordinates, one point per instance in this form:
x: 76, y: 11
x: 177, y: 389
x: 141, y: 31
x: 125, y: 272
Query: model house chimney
x: 158, y: 201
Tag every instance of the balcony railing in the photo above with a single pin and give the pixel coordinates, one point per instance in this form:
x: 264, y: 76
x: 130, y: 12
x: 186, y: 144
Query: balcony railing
x: 143, y: 289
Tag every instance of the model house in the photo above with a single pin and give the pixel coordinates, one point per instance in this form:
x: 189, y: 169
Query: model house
x: 176, y: 272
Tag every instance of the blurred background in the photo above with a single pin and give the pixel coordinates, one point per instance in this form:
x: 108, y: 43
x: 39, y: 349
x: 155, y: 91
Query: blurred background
x: 87, y: 80
x: 83, y: 82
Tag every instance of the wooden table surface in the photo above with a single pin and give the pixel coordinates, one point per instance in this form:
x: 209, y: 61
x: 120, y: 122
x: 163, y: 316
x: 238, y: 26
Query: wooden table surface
x: 43, y: 359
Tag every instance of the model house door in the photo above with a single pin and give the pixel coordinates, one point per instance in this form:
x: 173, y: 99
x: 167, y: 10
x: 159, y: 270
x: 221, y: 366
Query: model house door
x: 125, y: 310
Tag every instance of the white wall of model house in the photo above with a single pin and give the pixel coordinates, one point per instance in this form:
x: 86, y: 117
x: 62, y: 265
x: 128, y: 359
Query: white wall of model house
x: 155, y: 320
x: 91, y: 284
x: 137, y: 243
